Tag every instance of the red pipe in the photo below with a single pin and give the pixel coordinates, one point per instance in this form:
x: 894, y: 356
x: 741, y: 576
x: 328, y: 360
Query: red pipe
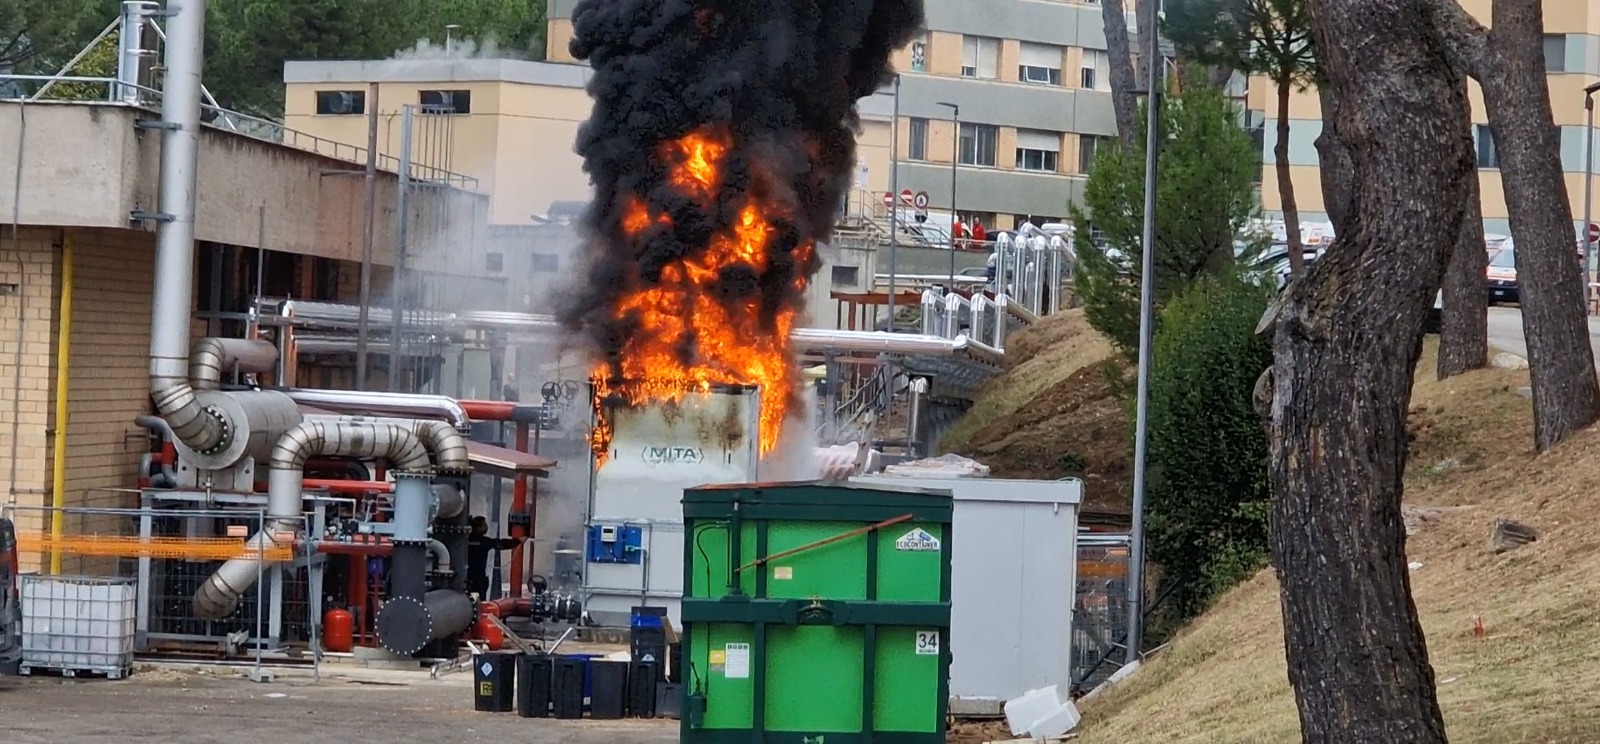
x: 356, y: 591
x: 489, y: 410
x: 512, y: 606
x: 519, y: 506
x: 361, y: 548
x: 337, y: 485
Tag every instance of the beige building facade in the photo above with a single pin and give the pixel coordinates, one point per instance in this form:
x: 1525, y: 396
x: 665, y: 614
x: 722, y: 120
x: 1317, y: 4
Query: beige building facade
x: 1572, y: 61
x: 1030, y: 79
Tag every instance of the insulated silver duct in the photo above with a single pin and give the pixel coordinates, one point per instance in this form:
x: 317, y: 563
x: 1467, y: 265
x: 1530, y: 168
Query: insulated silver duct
x: 981, y: 307
x: 213, y: 358
x: 953, y: 303
x: 448, y: 446
x: 930, y: 312
x: 219, y: 595
x: 201, y: 428
x: 394, y: 404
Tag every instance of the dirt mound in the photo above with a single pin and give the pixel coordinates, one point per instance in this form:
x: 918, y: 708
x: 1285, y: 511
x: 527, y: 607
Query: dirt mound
x: 1054, y: 413
x: 1533, y: 676
x: 1077, y: 427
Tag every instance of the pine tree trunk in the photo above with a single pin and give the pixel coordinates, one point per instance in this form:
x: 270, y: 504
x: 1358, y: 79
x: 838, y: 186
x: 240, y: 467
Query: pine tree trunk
x: 1337, y: 171
x: 1291, y: 209
x: 1124, y: 102
x: 1347, y: 337
x: 1566, y: 396
x: 1464, y: 321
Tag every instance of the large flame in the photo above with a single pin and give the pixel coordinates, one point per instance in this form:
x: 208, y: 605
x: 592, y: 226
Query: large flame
x: 688, y: 338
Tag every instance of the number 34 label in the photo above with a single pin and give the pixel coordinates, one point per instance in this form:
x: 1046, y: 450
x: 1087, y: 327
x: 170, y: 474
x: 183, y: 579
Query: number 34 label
x: 927, y: 643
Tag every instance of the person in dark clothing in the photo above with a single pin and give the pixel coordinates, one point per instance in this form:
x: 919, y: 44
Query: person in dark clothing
x: 479, y: 545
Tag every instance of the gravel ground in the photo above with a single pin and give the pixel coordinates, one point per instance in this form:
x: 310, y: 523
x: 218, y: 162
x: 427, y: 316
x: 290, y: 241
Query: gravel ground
x: 221, y: 707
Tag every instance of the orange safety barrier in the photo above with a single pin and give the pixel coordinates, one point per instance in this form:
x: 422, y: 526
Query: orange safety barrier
x: 206, y: 548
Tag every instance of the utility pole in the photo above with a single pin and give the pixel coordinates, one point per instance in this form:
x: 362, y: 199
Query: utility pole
x: 1147, y: 305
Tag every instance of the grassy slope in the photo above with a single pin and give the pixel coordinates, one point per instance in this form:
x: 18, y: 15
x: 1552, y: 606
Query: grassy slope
x: 1039, y: 358
x: 1534, y: 677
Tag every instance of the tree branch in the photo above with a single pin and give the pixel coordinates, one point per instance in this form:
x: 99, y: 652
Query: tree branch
x: 1466, y: 40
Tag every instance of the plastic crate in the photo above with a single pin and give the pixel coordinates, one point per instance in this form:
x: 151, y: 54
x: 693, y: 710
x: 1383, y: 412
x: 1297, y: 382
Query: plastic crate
x: 74, y: 624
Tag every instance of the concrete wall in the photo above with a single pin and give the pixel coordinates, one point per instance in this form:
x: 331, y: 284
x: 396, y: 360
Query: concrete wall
x: 86, y: 165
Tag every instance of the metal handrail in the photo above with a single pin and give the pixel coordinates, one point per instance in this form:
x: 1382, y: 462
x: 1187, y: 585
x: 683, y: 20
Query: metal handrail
x: 256, y: 127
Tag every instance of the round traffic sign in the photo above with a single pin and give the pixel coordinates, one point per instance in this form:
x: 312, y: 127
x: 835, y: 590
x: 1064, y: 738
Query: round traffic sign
x: 905, y: 196
x: 1594, y: 232
x: 888, y: 198
x: 920, y: 200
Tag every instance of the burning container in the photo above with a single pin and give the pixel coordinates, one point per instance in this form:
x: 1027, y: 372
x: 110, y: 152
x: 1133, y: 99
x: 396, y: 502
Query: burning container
x: 796, y: 588
x: 645, y: 456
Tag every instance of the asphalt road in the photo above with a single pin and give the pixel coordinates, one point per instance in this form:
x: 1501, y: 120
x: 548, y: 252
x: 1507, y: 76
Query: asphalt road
x: 1505, y: 331
x: 174, y: 708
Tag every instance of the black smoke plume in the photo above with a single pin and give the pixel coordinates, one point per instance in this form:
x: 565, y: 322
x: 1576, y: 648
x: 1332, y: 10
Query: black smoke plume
x: 780, y: 77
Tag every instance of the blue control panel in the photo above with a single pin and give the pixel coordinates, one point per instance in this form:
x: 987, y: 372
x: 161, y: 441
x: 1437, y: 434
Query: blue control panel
x: 616, y: 543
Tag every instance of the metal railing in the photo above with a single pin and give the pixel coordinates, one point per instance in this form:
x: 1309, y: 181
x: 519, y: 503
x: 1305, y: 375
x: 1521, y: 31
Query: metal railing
x: 215, y: 116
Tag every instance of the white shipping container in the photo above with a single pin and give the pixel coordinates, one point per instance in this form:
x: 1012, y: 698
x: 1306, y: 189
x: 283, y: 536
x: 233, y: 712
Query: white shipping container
x: 1013, y: 585
x: 78, y: 623
x: 657, y: 451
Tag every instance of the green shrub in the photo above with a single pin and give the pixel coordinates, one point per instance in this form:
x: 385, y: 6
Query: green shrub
x: 1205, y: 197
x: 1207, y: 493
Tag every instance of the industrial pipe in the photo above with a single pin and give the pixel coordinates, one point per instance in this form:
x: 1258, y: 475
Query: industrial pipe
x: 336, y: 485
x: 930, y: 312
x: 212, y: 358
x: 452, y: 502
x: 58, y: 457
x: 981, y: 307
x: 406, y: 625
x: 448, y: 446
x: 393, y: 404
x: 953, y: 303
x: 198, y: 427
x: 519, y: 512
x: 489, y: 410
x: 219, y: 595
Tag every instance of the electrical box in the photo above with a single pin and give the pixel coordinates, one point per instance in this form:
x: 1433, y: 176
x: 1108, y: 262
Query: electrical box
x: 616, y: 543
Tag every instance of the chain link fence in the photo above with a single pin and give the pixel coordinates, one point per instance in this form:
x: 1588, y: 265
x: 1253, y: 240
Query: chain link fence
x: 99, y: 585
x: 1100, y: 617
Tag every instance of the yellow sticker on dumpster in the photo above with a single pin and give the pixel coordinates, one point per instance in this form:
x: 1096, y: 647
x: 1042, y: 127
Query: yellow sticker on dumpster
x: 783, y: 573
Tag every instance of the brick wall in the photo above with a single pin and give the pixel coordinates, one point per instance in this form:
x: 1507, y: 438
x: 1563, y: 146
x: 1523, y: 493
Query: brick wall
x: 108, y: 387
x: 27, y: 271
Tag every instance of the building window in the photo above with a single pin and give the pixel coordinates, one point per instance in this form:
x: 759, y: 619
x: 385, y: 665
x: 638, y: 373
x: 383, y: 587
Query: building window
x: 917, y: 144
x: 1258, y: 137
x: 446, y: 101
x: 846, y: 276
x: 1037, y: 220
x: 1041, y: 63
x: 978, y: 144
x: 980, y: 57
x: 1488, y: 154
x: 1094, y: 75
x: 1555, y: 53
x: 546, y: 263
x: 341, y: 102
x: 1038, y: 151
x: 494, y: 262
x: 1088, y: 149
x: 919, y: 55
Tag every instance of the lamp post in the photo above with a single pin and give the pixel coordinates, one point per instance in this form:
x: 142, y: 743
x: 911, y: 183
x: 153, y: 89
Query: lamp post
x: 449, y: 38
x: 1146, y: 325
x: 955, y: 159
x: 894, y: 196
x: 1588, y: 184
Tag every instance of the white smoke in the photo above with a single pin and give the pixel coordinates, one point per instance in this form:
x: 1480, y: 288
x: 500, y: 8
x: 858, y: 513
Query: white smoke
x: 463, y: 48
x: 795, y: 458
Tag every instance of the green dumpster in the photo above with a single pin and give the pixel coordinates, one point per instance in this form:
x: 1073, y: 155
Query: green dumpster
x: 815, y: 614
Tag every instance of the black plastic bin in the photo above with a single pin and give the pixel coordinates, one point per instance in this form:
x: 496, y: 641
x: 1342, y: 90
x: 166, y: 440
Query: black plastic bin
x: 608, y: 690
x: 642, y: 680
x: 534, y: 673
x: 494, y: 676
x: 566, y: 686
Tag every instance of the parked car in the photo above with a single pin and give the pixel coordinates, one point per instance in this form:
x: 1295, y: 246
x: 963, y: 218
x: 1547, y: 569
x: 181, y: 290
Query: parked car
x: 10, y: 603
x: 1502, y: 277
